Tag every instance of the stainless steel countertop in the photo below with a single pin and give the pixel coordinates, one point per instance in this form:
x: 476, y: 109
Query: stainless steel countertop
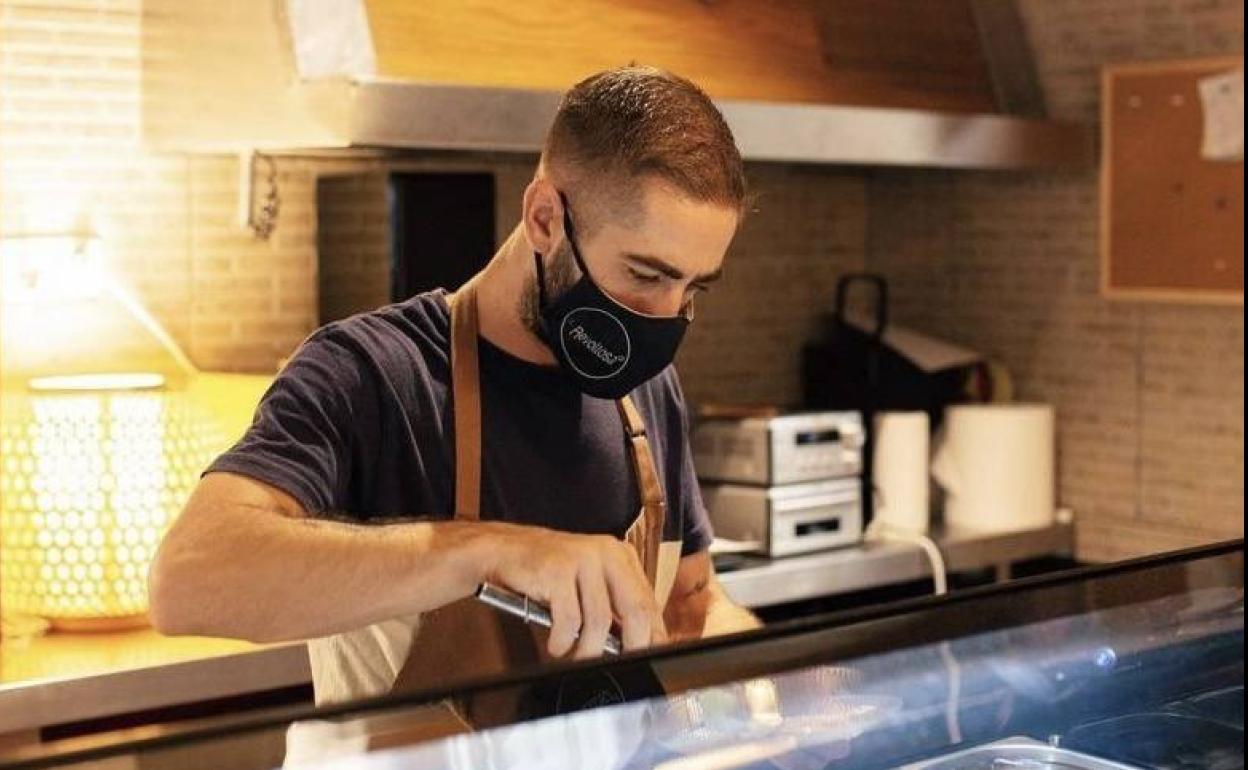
x: 163, y: 672
x: 766, y: 582
x: 69, y: 677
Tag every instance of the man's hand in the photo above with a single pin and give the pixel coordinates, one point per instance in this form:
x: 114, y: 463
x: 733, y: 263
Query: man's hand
x: 699, y: 607
x: 589, y: 582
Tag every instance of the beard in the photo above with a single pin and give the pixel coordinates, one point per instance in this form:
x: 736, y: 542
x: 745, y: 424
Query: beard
x: 561, y: 274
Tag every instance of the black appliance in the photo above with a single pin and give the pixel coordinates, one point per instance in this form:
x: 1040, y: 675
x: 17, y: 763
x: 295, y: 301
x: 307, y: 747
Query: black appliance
x: 442, y: 230
x: 852, y: 368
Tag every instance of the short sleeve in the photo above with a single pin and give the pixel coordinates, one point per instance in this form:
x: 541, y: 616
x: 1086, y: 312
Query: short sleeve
x: 301, y: 437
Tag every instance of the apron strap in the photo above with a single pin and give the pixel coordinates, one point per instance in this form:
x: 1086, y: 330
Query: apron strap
x: 466, y: 396
x: 647, y: 534
x: 643, y: 460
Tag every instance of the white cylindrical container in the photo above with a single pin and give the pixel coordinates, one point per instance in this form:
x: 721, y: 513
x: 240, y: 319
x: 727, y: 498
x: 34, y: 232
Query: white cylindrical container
x: 902, y: 445
x: 997, y: 464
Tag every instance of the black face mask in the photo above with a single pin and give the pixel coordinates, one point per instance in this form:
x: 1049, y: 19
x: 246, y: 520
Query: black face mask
x: 605, y: 347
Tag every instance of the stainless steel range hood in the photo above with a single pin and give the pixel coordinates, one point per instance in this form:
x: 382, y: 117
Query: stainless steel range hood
x: 285, y: 76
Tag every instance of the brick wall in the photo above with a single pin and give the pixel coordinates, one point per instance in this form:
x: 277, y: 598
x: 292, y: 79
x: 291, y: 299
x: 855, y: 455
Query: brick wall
x: 70, y: 158
x: 1150, y: 396
x: 353, y: 244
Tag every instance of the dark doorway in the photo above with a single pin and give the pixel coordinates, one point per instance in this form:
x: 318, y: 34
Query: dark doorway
x: 442, y: 230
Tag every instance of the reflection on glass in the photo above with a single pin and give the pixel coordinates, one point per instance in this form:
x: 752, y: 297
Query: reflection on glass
x: 1139, y: 665
x: 1153, y: 684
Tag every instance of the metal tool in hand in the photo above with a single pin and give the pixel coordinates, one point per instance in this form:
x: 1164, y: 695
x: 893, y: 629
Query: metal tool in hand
x: 529, y: 610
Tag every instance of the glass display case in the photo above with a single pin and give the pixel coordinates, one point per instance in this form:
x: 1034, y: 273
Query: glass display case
x: 1133, y: 665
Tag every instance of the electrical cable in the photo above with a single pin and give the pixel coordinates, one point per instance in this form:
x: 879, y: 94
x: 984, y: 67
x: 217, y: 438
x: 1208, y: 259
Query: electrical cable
x: 880, y: 532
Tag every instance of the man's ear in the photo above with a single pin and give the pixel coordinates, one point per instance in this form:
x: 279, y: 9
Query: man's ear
x: 542, y: 215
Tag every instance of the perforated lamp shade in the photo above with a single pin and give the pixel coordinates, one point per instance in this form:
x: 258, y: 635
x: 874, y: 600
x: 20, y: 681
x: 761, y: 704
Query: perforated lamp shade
x: 89, y: 482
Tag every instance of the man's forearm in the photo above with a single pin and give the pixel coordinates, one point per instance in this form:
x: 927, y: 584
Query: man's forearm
x: 245, y: 560
x: 266, y: 577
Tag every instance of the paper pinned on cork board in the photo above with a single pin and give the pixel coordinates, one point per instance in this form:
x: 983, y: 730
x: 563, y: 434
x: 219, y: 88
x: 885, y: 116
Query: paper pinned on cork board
x: 1222, y: 102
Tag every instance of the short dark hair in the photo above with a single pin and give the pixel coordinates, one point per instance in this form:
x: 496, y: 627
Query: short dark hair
x: 638, y: 121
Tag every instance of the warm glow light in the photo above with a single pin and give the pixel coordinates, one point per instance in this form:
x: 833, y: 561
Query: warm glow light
x: 94, y: 467
x: 95, y: 382
x: 54, y: 285
x: 50, y: 267
x: 88, y: 484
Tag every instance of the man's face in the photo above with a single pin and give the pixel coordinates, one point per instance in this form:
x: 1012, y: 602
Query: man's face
x: 653, y: 259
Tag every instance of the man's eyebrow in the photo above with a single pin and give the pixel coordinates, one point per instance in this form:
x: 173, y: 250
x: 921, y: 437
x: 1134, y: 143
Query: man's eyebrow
x: 670, y: 270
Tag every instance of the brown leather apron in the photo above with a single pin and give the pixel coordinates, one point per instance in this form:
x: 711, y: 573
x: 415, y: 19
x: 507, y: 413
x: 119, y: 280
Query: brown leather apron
x: 467, y: 639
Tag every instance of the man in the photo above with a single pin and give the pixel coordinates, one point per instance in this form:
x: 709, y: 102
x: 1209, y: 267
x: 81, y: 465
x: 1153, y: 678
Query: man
x: 509, y: 433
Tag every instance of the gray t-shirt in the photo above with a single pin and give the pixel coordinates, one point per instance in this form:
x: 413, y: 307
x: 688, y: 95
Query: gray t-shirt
x: 359, y: 425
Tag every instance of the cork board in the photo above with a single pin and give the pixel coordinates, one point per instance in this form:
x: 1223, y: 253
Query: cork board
x: 1172, y: 222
